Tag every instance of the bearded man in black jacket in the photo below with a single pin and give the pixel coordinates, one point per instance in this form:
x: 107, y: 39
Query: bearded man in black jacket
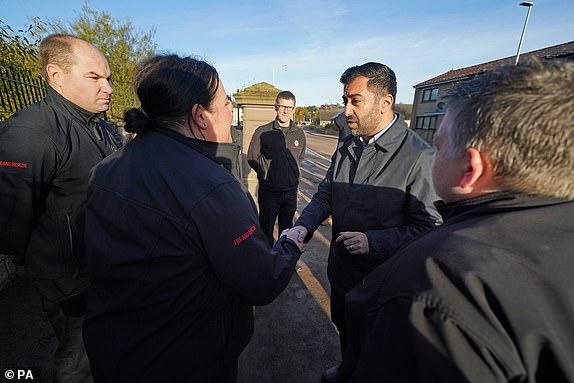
x: 46, y: 152
x: 487, y: 296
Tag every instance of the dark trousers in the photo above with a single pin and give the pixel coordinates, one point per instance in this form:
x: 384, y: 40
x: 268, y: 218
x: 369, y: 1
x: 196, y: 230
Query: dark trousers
x: 276, y: 205
x: 71, y: 364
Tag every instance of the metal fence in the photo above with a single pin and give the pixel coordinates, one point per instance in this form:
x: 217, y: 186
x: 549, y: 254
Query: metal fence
x: 18, y: 90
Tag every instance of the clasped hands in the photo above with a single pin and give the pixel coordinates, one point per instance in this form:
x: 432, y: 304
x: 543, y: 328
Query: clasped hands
x: 297, y: 234
x: 355, y: 242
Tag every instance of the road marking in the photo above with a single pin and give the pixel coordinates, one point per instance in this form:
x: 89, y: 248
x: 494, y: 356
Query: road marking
x: 317, y: 154
x: 316, y: 175
x: 319, y: 164
x: 308, y: 182
x: 315, y: 288
x: 310, y: 281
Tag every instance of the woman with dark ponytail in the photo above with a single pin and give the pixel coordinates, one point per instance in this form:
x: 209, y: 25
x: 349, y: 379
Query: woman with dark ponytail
x: 176, y: 256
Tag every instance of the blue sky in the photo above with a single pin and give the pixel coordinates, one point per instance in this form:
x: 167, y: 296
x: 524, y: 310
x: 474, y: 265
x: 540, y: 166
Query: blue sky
x: 309, y: 43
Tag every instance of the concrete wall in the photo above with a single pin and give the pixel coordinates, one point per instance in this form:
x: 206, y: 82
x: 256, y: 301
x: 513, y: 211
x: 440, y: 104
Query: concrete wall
x: 429, y: 108
x: 257, y: 108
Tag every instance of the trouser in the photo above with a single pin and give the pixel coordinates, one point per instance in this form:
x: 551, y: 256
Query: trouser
x: 276, y: 205
x: 71, y: 364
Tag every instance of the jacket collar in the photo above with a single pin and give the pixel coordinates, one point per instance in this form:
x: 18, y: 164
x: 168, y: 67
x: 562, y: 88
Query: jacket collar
x: 388, y: 142
x: 501, y: 201
x: 68, y: 108
x: 224, y: 154
x: 393, y: 137
x: 276, y: 126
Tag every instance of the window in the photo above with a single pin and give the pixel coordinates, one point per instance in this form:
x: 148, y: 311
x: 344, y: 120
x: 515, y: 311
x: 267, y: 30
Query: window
x: 426, y: 122
x: 430, y: 94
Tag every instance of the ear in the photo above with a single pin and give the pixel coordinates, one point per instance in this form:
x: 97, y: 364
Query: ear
x: 475, y: 170
x: 197, y: 114
x: 54, y: 74
x: 385, y: 103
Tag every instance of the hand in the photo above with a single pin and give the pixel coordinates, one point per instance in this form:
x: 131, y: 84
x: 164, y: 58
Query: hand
x: 296, y: 236
x: 302, y: 230
x: 355, y: 242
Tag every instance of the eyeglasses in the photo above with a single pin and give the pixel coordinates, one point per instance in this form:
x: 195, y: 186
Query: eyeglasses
x: 285, y: 107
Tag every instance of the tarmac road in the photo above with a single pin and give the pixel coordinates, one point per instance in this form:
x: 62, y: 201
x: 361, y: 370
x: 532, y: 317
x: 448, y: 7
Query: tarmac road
x: 294, y: 338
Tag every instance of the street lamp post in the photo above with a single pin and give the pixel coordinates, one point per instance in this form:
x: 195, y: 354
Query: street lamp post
x: 277, y: 66
x: 529, y: 5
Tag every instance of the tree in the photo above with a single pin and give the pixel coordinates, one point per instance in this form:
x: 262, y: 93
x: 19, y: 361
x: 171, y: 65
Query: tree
x: 312, y: 114
x: 21, y: 83
x: 300, y: 114
x: 404, y: 109
x: 19, y: 48
x: 123, y: 45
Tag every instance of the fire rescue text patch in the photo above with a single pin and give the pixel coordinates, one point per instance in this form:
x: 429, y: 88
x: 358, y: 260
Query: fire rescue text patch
x: 13, y: 164
x: 245, y: 235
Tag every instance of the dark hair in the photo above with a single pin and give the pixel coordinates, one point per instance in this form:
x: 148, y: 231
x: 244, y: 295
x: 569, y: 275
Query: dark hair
x: 286, y: 95
x: 168, y: 86
x: 382, y: 79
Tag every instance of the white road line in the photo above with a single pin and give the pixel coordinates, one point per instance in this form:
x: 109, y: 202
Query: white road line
x: 317, y: 154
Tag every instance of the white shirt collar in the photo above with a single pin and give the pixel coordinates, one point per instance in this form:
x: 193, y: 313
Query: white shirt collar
x: 378, y: 135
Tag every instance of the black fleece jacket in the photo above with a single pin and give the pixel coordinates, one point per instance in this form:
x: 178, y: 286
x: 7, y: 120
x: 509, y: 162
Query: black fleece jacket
x: 276, y: 155
x: 46, y: 153
x: 177, y: 259
x: 486, y: 297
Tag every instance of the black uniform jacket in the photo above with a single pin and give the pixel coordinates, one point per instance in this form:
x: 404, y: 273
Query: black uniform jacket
x: 276, y: 155
x: 46, y: 153
x: 177, y: 259
x: 486, y: 297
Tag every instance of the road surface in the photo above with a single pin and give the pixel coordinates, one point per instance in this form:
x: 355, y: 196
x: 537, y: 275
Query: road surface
x: 294, y: 339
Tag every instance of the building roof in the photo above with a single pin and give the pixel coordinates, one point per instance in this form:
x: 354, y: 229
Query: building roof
x: 329, y: 114
x: 261, y: 93
x: 561, y: 50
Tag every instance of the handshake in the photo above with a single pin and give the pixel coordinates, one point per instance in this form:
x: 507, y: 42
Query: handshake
x: 297, y: 234
x: 355, y: 242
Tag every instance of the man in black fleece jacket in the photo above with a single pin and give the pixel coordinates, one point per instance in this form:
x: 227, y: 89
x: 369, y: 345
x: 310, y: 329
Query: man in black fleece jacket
x: 46, y: 153
x: 275, y: 153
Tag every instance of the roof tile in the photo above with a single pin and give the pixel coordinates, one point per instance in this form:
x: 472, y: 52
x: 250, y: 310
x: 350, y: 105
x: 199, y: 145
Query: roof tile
x: 560, y: 50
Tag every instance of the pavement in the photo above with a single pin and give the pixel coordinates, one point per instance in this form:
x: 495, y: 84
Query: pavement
x: 294, y: 338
